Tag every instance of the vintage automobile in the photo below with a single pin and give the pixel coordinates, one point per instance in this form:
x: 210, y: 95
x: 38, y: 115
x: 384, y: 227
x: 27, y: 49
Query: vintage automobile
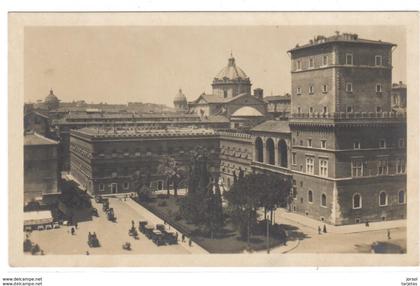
x: 93, y: 240
x: 148, y: 231
x: 111, y: 215
x: 98, y: 199
x: 157, y: 237
x: 169, y: 237
x: 142, y: 225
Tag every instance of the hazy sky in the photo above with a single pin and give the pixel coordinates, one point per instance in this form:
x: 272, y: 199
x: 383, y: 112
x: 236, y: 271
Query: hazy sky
x: 150, y: 64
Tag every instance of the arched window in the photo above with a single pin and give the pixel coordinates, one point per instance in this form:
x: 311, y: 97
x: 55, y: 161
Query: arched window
x: 401, y: 197
x: 259, y: 150
x: 310, y: 196
x: 270, y: 151
x: 383, y: 199
x: 323, y: 200
x: 357, y: 201
x: 282, y: 148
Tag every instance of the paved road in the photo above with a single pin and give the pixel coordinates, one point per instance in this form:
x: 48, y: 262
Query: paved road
x: 111, y: 235
x: 354, y: 242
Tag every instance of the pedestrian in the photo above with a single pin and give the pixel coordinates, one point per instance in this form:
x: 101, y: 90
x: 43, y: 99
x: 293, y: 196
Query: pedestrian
x: 388, y: 233
x: 319, y: 230
x: 72, y: 231
x: 190, y: 242
x: 164, y: 221
x: 176, y: 236
x: 75, y: 224
x: 367, y: 223
x: 87, y: 252
x: 183, y: 237
x: 325, y: 229
x: 132, y: 223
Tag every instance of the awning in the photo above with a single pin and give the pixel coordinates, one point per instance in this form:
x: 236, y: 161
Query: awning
x: 37, y: 217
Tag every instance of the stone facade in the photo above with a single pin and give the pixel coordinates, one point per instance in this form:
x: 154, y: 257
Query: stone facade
x: 110, y: 161
x: 41, y: 173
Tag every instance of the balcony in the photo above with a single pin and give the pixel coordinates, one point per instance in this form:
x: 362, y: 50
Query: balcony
x: 343, y: 117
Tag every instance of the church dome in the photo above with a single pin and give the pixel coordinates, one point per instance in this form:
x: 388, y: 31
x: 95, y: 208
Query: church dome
x: 52, y: 101
x: 180, y: 97
x: 231, y: 71
x: 51, y: 98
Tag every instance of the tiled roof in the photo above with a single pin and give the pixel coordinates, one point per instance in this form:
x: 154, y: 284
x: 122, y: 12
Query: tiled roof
x: 37, y: 139
x: 274, y: 126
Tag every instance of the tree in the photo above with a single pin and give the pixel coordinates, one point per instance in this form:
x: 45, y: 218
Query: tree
x: 202, y: 204
x: 252, y: 192
x: 172, y: 172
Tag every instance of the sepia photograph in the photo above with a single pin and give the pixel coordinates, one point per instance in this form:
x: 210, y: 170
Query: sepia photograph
x: 198, y: 139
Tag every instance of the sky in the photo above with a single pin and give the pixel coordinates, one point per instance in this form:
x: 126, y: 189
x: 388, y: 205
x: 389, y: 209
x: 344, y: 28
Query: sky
x: 149, y: 64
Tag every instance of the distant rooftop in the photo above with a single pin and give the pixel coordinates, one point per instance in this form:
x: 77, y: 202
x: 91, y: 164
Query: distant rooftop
x: 339, y: 38
x: 142, y: 132
x: 34, y: 138
x: 274, y: 126
x: 277, y: 97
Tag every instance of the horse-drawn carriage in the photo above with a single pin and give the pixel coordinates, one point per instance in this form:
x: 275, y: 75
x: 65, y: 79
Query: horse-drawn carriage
x: 142, y: 226
x: 157, y: 237
x: 93, y: 240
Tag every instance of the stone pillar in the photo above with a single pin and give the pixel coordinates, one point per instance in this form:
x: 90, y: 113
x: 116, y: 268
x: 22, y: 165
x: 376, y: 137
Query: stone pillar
x: 264, y: 150
x: 276, y: 152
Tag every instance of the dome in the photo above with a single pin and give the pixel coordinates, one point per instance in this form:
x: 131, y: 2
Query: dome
x: 51, y: 97
x: 247, y: 111
x: 232, y: 71
x: 180, y: 97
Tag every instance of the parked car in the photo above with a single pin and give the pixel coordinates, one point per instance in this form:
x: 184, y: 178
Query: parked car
x: 157, y: 237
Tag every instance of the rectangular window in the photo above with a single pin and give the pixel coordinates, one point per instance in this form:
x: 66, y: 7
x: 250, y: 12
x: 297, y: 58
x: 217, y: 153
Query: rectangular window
x: 378, y: 60
x: 324, y: 88
x: 400, y: 166
x: 356, y: 145
x: 114, y: 188
x: 298, y: 110
x: 325, y: 109
x: 379, y: 88
x: 298, y: 65
x: 309, y: 142
x: 101, y: 187
x: 383, y: 167
x: 293, y: 158
x: 356, y: 168
x: 298, y: 91
x: 310, y: 165
x: 325, y: 60
x: 126, y: 185
x: 323, y: 168
x: 349, y: 109
x: 311, y: 62
x: 311, y: 89
x: 349, y: 59
x: 349, y: 87
x: 311, y: 109
x: 137, y: 154
x: 114, y: 174
x: 378, y: 109
x: 324, y: 144
x: 382, y: 144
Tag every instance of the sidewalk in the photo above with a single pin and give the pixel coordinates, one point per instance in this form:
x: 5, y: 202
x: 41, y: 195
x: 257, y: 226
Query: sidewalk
x: 153, y: 220
x: 282, y: 214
